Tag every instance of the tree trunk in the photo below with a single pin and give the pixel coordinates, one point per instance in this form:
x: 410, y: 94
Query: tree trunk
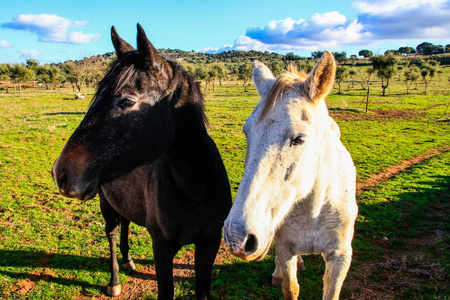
x: 367, y: 100
x: 385, y: 87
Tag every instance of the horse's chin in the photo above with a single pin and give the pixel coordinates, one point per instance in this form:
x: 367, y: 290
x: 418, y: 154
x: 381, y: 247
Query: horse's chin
x: 264, y: 253
x: 90, y: 192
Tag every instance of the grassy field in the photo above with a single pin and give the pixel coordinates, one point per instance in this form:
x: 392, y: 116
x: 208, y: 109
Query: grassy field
x: 54, y: 248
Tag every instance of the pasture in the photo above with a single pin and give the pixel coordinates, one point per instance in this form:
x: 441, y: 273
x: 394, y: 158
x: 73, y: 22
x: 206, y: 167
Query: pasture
x: 55, y: 248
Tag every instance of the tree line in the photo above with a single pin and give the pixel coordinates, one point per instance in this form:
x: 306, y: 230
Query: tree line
x: 78, y: 74
x: 424, y: 48
x: 229, y: 65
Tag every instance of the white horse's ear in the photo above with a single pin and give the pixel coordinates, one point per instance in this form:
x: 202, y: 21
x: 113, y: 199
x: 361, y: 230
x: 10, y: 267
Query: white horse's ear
x: 320, y: 82
x: 262, y: 77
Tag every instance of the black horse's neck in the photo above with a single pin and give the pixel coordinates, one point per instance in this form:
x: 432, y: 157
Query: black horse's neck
x: 192, y: 152
x: 189, y: 110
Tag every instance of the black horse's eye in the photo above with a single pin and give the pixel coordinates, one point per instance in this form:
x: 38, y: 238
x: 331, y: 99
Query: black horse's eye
x: 124, y: 103
x: 298, y: 140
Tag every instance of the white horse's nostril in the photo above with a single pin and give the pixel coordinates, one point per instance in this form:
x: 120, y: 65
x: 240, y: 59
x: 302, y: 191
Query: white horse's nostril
x: 251, y: 245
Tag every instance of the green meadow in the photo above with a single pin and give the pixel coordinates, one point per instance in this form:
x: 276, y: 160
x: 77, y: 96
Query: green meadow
x: 53, y: 247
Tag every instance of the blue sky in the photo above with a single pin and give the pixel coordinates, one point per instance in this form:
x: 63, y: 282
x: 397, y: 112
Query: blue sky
x: 56, y: 31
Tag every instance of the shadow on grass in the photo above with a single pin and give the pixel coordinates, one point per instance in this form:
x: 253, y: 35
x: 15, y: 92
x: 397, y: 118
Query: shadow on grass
x: 65, y: 113
x: 413, y: 204
x: 340, y: 110
x: 53, y: 279
x: 408, y: 214
x: 37, y: 261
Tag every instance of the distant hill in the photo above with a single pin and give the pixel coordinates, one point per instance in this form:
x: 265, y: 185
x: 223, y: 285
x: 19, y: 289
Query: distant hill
x: 237, y: 57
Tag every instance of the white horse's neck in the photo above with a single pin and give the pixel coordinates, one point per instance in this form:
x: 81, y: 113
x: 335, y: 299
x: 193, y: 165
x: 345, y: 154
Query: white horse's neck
x: 326, y: 189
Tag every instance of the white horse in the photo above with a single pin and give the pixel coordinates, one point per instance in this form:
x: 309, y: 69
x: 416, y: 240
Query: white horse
x: 298, y: 187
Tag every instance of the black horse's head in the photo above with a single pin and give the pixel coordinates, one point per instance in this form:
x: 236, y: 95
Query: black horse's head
x: 131, y: 120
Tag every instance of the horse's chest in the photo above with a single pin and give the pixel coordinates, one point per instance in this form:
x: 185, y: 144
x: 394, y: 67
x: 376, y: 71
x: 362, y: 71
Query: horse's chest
x: 305, y: 234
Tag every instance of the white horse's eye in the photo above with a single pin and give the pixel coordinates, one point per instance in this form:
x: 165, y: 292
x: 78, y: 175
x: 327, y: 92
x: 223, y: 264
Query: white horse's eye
x: 298, y: 140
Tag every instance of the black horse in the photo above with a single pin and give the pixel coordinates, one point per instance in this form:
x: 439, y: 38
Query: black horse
x: 143, y: 146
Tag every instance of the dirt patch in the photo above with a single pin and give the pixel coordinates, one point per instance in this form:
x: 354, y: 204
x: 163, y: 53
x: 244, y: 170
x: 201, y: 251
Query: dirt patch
x: 143, y: 280
x: 22, y: 287
x: 407, y: 114
x: 377, y: 179
x: 392, y: 276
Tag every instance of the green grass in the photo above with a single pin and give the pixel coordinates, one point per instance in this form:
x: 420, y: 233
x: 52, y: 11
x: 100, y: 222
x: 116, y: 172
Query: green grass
x: 53, y: 247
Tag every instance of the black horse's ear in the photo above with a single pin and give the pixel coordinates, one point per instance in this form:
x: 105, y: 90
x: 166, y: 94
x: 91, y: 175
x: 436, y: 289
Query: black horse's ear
x: 149, y: 55
x: 120, y: 45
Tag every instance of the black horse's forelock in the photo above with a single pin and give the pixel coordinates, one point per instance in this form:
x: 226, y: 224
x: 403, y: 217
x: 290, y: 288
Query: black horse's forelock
x: 120, y: 73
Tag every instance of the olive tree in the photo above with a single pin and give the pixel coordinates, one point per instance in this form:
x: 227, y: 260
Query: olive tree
x: 5, y: 74
x: 245, y: 73
x: 19, y: 74
x: 385, y: 68
x: 341, y: 75
x: 410, y: 76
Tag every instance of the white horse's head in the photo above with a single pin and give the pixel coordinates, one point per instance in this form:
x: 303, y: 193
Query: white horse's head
x: 286, y: 135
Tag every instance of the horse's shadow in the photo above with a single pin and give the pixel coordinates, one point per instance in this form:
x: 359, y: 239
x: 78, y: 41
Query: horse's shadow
x: 62, y: 113
x: 41, y: 262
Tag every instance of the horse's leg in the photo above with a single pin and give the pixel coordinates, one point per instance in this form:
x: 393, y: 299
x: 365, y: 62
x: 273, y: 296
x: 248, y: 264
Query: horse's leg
x: 288, y: 264
x: 337, y: 265
x: 300, y: 264
x: 127, y: 261
x: 277, y: 276
x: 111, y: 225
x: 164, y: 252
x: 205, y: 254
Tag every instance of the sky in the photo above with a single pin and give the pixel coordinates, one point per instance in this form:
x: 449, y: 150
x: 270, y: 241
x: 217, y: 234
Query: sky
x: 53, y: 31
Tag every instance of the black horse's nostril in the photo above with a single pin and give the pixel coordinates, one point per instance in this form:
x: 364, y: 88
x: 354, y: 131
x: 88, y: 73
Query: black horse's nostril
x: 251, y: 244
x: 63, y: 181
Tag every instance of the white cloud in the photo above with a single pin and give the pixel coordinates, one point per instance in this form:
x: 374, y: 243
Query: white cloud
x: 415, y: 19
x: 390, y: 7
x: 52, y: 28
x: 30, y: 53
x: 5, y: 44
x: 301, y: 32
x: 77, y: 37
x: 378, y: 20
